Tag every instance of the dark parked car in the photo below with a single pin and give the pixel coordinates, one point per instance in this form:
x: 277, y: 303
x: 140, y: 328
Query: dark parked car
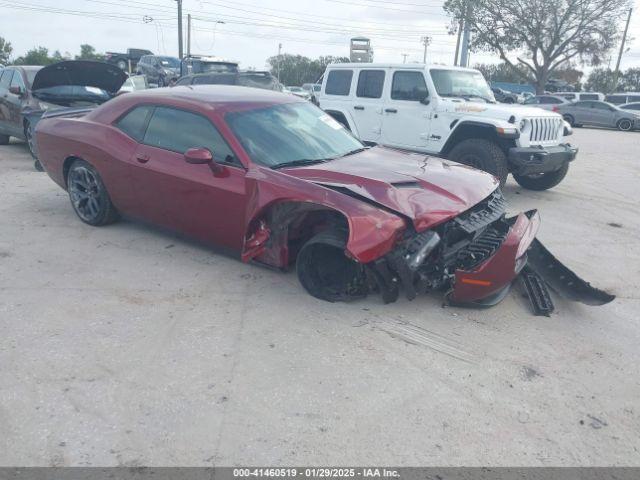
x: 27, y: 92
x: 503, y: 96
x: 242, y: 79
x: 126, y: 61
x: 603, y: 114
x: 159, y: 70
x: 277, y: 180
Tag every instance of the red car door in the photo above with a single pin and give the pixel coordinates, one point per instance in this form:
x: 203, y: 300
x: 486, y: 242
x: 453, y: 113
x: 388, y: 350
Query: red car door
x: 189, y: 198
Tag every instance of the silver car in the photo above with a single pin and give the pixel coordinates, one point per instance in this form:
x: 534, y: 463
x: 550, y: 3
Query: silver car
x: 546, y: 102
x: 631, y: 106
x: 603, y: 114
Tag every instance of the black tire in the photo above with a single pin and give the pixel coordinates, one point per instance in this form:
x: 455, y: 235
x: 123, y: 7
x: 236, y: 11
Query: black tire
x: 30, y: 139
x: 569, y: 119
x: 542, y: 181
x: 38, y: 166
x: 88, y: 194
x: 509, y: 100
x: 161, y: 82
x: 4, y: 139
x: 483, y: 155
x: 122, y: 65
x: 624, y: 125
x: 326, y: 272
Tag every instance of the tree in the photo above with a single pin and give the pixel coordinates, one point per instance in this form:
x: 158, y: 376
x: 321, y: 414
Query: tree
x: 630, y: 81
x: 88, y: 52
x: 5, y: 51
x: 296, y: 69
x: 503, y: 72
x: 542, y: 35
x: 603, y: 80
x: 35, y: 56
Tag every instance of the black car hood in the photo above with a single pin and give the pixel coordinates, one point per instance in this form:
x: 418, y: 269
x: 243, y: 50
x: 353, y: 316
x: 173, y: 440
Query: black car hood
x: 85, y: 73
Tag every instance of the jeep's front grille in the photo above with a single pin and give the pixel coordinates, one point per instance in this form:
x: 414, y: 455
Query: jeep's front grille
x: 545, y: 129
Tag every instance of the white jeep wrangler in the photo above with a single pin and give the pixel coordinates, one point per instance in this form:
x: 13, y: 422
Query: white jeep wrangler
x: 450, y: 112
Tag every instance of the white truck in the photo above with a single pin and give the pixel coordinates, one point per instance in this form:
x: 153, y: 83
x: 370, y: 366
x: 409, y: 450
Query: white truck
x: 449, y: 112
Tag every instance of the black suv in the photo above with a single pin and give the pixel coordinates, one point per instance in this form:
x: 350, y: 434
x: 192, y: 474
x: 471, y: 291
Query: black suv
x: 159, y: 70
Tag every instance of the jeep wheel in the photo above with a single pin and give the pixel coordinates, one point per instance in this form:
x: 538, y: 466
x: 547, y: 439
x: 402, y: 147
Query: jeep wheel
x: 326, y: 272
x: 624, y: 125
x: 542, y: 181
x: 122, y: 65
x: 483, y: 155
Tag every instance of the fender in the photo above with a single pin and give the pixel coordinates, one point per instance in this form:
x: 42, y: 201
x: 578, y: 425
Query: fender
x: 469, y: 127
x: 372, y: 231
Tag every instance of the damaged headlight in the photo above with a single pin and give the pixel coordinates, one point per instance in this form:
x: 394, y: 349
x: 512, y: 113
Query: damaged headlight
x: 418, y: 253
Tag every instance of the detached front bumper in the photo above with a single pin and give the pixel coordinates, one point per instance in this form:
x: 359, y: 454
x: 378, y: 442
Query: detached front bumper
x: 489, y: 282
x: 532, y: 160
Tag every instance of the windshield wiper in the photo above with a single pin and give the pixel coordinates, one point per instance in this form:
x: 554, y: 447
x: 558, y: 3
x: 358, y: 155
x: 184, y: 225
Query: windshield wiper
x: 300, y: 163
x: 353, y: 152
x: 466, y: 96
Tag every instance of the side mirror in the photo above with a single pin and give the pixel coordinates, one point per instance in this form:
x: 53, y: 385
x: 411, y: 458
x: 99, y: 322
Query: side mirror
x: 425, y: 101
x: 198, y: 156
x: 16, y: 90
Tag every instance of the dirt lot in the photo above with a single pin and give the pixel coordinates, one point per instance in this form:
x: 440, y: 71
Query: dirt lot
x: 126, y: 345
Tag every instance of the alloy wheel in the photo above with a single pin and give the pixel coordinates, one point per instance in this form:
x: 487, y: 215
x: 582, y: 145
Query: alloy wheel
x: 86, y: 193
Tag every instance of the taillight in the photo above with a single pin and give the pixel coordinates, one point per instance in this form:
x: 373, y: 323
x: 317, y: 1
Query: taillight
x: 555, y: 108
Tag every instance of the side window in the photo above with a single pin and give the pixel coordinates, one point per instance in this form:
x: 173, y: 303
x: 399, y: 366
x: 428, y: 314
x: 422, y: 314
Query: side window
x: 583, y: 104
x: 184, y: 81
x: 534, y: 100
x: 17, y: 81
x: 601, y: 106
x: 409, y: 86
x: 589, y: 96
x: 370, y: 83
x: 5, y: 80
x: 178, y: 131
x: 633, y: 98
x: 339, y: 82
x: 135, y: 121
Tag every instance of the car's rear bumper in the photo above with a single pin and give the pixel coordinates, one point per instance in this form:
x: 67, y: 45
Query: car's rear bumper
x: 532, y: 160
x: 488, y: 283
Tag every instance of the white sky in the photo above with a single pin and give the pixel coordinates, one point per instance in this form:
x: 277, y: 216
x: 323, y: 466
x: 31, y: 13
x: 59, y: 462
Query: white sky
x: 252, y: 29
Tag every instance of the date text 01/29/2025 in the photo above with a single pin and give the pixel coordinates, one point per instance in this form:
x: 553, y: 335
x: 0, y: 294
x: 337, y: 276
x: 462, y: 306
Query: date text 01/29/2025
x: 315, y: 472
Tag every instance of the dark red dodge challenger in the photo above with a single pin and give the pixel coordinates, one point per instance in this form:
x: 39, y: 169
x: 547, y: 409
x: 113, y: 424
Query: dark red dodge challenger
x: 277, y: 180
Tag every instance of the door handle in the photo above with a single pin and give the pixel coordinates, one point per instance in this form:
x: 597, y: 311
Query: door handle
x: 142, y: 158
x: 391, y: 110
x: 358, y: 107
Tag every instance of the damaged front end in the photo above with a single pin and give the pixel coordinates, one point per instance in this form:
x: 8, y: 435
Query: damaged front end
x: 475, y: 258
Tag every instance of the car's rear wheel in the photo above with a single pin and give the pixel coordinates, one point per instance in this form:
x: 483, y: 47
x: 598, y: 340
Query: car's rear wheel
x: 326, y: 272
x: 4, y: 139
x: 89, y: 196
x: 161, y: 82
x: 569, y: 119
x: 624, y: 125
x: 542, y: 181
x: 483, y: 155
x: 29, y: 137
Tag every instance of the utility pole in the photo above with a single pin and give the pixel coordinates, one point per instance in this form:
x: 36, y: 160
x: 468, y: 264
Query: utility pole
x: 426, y: 41
x: 624, y: 39
x: 279, y: 50
x: 466, y: 34
x: 460, y: 27
x: 404, y: 57
x: 188, y: 34
x: 179, y: 29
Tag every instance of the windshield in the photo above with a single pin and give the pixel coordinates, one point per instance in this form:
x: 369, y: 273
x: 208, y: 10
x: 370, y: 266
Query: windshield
x: 169, y: 62
x: 461, y: 83
x: 218, y: 67
x: 290, y: 134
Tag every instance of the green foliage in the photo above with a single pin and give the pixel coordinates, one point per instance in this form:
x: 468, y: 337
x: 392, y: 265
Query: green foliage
x: 603, y: 80
x: 542, y: 35
x: 35, y: 56
x: 88, y: 52
x: 5, y: 51
x: 296, y: 69
x: 503, y: 72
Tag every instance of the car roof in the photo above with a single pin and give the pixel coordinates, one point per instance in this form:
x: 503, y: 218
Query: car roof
x: 405, y: 66
x: 214, y: 94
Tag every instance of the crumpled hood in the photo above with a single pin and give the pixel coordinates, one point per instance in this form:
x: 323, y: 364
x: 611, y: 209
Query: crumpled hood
x: 84, y: 73
x: 425, y: 189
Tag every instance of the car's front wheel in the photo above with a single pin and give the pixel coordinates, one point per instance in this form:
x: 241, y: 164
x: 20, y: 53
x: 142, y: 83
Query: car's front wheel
x: 483, y: 155
x: 89, y: 196
x: 542, y: 181
x: 326, y: 272
x: 624, y: 125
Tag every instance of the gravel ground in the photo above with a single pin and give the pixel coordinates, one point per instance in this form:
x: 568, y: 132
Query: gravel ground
x: 126, y: 345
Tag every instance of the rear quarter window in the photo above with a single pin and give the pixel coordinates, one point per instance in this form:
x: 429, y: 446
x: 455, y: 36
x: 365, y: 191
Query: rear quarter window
x: 135, y: 122
x: 339, y: 82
